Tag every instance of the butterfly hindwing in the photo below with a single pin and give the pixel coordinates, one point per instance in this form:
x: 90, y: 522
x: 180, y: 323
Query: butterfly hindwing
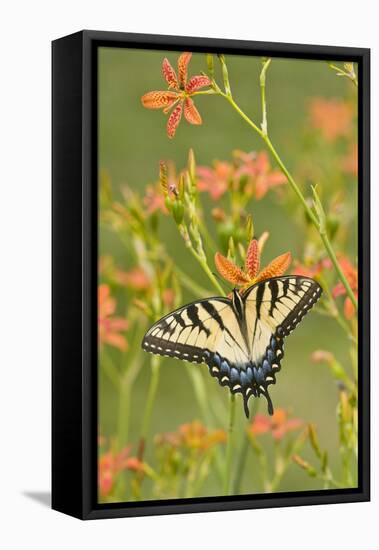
x: 240, y: 339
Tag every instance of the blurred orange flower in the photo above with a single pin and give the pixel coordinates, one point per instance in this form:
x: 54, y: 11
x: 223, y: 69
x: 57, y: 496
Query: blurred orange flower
x: 136, y: 278
x: 257, y: 167
x: 215, y: 180
x: 109, y: 327
x: 333, y: 117
x: 168, y: 297
x: 253, y: 167
x: 312, y: 270
x: 193, y: 435
x: 154, y: 200
x: 178, y: 100
x: 350, y: 161
x: 111, y: 464
x: 351, y: 274
x: 278, y: 425
x: 251, y: 275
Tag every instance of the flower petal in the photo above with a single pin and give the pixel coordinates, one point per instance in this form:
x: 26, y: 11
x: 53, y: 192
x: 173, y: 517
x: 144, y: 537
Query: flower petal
x: 169, y: 74
x: 252, y: 259
x: 183, y: 61
x: 191, y: 113
x: 158, y: 100
x: 196, y: 83
x: 229, y: 271
x: 174, y: 120
x: 276, y: 268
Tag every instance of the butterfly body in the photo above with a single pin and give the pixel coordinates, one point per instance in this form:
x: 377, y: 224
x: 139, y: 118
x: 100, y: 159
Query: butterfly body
x: 239, y: 338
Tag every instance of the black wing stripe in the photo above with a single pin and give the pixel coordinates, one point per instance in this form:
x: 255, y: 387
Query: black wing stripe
x: 273, y: 286
x: 259, y: 299
x: 193, y: 315
x: 209, y: 308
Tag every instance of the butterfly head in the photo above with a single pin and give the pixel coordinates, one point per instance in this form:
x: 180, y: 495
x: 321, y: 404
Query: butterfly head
x: 237, y: 302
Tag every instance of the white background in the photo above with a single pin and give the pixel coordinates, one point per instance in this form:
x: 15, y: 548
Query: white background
x: 26, y: 31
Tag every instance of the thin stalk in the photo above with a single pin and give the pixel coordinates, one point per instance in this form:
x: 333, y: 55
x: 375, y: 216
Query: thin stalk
x: 230, y: 444
x: 110, y: 369
x: 200, y: 391
x: 153, y: 386
x: 243, y: 453
x: 202, y: 260
x: 123, y: 414
x: 241, y: 464
x: 196, y: 289
x: 262, y: 80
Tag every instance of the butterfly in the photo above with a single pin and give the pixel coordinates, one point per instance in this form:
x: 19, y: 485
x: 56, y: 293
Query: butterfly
x: 240, y: 338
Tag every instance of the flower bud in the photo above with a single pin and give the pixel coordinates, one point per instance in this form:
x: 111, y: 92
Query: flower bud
x: 168, y: 202
x: 178, y: 211
x: 314, y: 440
x: 249, y: 229
x: 192, y: 165
x: 163, y: 176
x: 304, y: 465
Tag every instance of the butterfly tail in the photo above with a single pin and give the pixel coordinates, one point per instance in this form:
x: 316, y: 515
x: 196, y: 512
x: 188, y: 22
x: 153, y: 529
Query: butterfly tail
x: 270, y: 408
x: 245, y: 405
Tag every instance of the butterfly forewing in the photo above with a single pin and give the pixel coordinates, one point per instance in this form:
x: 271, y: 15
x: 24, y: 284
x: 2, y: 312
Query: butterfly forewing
x: 196, y: 331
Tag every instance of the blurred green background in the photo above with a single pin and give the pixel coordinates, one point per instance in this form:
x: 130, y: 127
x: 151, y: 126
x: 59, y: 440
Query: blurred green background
x: 132, y: 141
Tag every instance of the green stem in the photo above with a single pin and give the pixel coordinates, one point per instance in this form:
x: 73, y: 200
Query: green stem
x: 123, y: 414
x: 196, y: 289
x: 229, y: 448
x: 243, y: 453
x: 241, y: 464
x: 298, y: 193
x: 202, y: 260
x: 110, y: 369
x: 155, y: 368
x: 262, y: 79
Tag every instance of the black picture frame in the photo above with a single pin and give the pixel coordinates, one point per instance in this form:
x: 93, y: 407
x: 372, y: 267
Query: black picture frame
x: 74, y: 273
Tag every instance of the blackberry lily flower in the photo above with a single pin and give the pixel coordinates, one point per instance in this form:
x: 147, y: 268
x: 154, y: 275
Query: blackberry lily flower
x: 178, y: 96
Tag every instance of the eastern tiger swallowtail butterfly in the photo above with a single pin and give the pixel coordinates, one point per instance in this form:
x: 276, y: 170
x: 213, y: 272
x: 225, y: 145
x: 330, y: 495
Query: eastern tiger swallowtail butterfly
x: 239, y: 338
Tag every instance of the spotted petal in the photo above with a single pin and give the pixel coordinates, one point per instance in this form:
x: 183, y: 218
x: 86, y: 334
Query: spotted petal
x: 276, y: 268
x: 174, y: 120
x: 158, y: 100
x: 191, y: 113
x: 169, y: 74
x: 183, y: 61
x: 196, y: 83
x: 252, y: 259
x: 229, y: 271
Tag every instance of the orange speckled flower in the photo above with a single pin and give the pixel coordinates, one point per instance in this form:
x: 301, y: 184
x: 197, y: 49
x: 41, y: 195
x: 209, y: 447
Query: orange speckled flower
x: 279, y: 424
x: 333, y: 117
x: 251, y: 274
x: 178, y: 100
x: 109, y: 327
x: 351, y: 274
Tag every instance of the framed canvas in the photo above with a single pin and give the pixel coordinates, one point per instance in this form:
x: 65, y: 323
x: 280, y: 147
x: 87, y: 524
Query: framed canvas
x: 210, y: 275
